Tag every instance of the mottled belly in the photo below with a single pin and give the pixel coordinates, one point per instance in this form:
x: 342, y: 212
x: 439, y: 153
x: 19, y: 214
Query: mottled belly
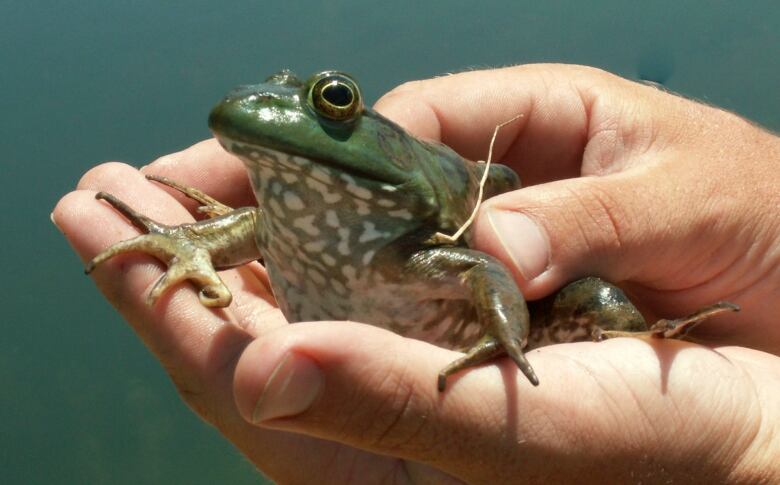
x: 449, y: 323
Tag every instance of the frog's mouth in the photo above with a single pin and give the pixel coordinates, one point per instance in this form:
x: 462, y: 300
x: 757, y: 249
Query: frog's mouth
x: 260, y: 156
x: 256, y: 156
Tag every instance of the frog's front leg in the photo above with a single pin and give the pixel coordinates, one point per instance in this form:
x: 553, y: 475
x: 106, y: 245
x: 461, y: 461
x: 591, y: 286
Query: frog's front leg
x: 192, y: 251
x: 500, y: 307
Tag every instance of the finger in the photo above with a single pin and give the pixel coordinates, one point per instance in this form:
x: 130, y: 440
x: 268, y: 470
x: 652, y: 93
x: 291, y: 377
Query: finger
x: 208, y: 167
x: 596, y: 403
x: 562, y: 106
x: 553, y: 233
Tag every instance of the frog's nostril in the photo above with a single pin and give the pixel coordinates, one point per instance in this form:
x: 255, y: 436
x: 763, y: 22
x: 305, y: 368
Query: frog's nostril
x: 284, y: 78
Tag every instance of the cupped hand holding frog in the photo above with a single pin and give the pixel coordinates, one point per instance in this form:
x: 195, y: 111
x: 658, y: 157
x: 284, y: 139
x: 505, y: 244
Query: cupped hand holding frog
x: 675, y: 200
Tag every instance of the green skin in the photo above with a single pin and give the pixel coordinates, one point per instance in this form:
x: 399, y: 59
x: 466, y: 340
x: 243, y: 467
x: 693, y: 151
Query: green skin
x: 349, y: 204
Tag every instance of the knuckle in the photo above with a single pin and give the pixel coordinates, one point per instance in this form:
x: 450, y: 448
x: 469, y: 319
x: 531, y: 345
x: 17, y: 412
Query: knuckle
x: 199, y: 385
x: 406, y: 89
x: 591, y: 75
x: 397, y: 421
x: 100, y: 175
x: 191, y: 392
x: 602, y: 220
x: 68, y: 207
x: 198, y: 398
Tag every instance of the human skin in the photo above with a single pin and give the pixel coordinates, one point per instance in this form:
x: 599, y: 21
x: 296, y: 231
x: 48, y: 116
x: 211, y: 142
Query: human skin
x: 676, y: 201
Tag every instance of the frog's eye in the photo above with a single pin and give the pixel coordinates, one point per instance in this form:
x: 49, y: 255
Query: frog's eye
x: 336, y: 97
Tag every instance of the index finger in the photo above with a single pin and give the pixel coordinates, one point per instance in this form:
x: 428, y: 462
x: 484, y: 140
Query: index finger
x: 207, y: 166
x: 557, y: 103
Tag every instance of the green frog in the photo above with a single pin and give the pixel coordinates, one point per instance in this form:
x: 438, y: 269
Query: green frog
x: 349, y: 210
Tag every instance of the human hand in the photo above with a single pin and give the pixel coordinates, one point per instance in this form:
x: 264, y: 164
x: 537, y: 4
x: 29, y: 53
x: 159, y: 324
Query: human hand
x: 351, y: 401
x: 675, y: 200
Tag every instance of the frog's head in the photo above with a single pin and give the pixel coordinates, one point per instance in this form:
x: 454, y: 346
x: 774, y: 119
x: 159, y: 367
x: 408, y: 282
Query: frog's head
x: 322, y: 120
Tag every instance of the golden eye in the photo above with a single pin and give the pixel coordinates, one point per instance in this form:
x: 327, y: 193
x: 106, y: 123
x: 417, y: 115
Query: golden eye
x: 336, y: 97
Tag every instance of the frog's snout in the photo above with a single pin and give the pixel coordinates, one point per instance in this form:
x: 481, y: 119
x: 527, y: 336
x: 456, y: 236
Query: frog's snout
x: 226, y: 114
x: 217, y: 115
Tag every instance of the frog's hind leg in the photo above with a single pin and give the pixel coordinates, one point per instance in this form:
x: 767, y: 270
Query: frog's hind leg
x: 674, y: 328
x: 583, y: 310
x: 209, y: 205
x: 596, y: 309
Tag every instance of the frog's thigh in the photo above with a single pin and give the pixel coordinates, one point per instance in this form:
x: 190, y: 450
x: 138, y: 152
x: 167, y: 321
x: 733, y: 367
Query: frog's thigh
x: 595, y: 304
x: 594, y: 308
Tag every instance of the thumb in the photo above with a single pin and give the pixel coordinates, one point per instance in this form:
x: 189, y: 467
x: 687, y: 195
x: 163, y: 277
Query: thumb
x: 374, y: 390
x: 645, y: 226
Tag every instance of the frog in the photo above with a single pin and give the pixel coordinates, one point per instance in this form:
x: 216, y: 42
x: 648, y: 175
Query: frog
x: 351, y: 210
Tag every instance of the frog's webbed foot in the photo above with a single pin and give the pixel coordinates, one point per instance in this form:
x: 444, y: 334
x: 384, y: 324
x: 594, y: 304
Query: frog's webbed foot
x: 488, y: 348
x: 675, y: 328
x: 209, y: 205
x: 191, y: 251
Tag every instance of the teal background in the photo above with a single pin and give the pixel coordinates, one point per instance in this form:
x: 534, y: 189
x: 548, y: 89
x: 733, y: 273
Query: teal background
x: 86, y: 81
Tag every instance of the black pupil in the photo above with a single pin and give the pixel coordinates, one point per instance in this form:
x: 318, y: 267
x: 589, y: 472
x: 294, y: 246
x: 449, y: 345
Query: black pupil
x: 337, y: 94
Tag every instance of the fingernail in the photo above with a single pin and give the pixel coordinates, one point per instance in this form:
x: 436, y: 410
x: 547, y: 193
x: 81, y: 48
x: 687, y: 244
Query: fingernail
x: 54, y: 221
x: 291, y: 389
x: 522, y: 239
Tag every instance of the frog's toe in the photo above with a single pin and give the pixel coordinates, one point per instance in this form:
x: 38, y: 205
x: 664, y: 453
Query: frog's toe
x: 137, y: 244
x: 485, y: 349
x: 209, y: 205
x: 197, y: 268
x: 514, y: 350
x: 139, y: 220
x: 680, y: 327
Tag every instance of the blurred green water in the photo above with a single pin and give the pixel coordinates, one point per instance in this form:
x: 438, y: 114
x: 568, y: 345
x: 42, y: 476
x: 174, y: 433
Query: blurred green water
x: 88, y: 81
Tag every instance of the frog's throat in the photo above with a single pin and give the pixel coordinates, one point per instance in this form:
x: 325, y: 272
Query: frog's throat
x: 268, y: 159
